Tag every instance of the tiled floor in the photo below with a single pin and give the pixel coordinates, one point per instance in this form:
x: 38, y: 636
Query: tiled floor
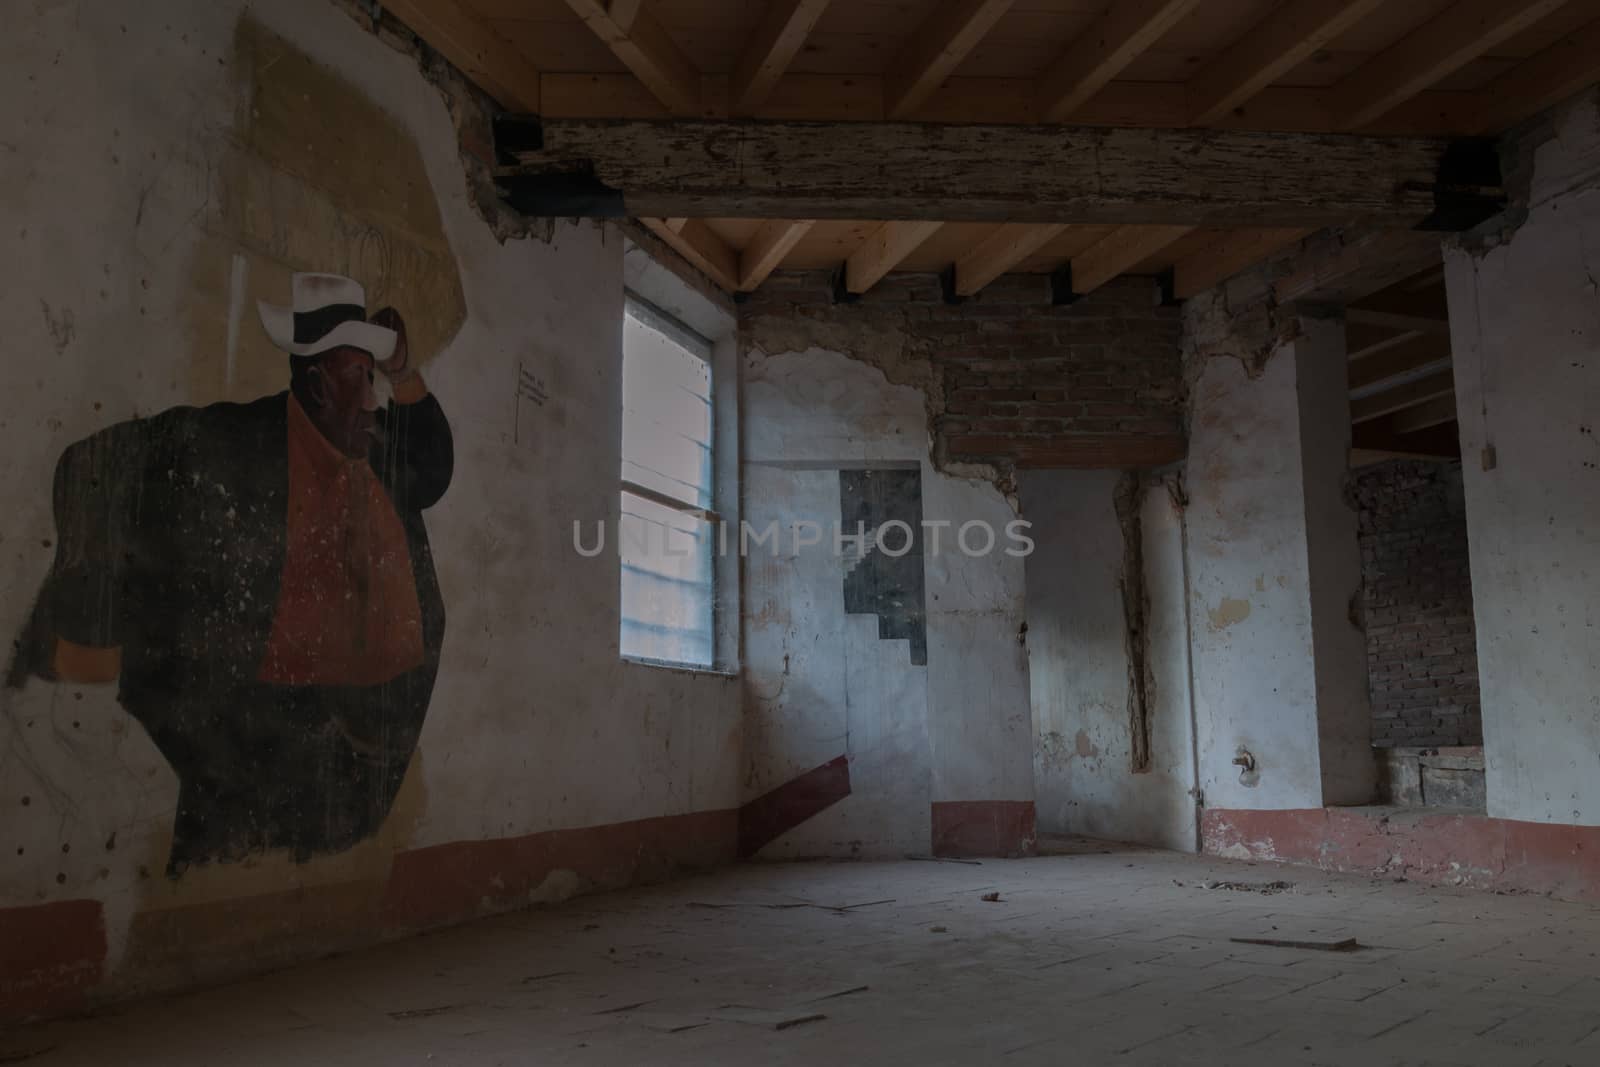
x: 1095, y: 957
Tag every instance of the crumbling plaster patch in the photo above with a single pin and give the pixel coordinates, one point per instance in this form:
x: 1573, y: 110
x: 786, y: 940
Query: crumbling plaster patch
x: 891, y: 350
x: 471, y: 110
x: 1127, y: 500
x: 1240, y: 319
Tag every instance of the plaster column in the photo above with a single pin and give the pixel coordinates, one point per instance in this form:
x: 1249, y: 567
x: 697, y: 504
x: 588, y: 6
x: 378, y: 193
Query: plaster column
x: 1279, y: 656
x: 1525, y: 335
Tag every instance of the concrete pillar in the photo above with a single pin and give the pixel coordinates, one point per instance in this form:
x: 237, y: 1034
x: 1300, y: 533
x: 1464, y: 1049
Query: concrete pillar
x: 1279, y: 656
x: 1525, y: 337
x: 1333, y: 548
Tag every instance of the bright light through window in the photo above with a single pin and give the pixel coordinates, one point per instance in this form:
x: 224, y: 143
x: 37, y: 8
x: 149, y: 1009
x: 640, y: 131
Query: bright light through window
x: 667, y: 533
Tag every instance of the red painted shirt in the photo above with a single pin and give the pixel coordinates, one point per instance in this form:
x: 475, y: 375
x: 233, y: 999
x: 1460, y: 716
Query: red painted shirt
x: 347, y: 609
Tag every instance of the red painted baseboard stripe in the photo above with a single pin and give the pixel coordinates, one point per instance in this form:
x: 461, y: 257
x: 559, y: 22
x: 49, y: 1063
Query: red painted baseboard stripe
x: 769, y: 816
x: 1444, y: 849
x: 51, y: 955
x: 447, y: 883
x: 984, y: 828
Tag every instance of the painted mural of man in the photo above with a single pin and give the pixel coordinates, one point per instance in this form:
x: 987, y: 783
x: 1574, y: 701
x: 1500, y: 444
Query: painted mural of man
x: 257, y: 579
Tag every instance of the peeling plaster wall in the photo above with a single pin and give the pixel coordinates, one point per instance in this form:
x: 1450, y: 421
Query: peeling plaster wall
x: 1007, y: 376
x: 119, y: 132
x: 1525, y: 330
x: 1078, y: 663
x: 821, y: 683
x: 1279, y: 665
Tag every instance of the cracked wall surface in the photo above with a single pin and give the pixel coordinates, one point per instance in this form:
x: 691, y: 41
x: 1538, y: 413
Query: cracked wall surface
x: 1525, y: 336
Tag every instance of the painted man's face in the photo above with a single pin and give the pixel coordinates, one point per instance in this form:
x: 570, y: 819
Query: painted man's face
x: 346, y: 405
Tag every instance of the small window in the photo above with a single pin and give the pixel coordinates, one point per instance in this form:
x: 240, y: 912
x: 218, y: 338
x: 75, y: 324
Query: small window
x: 668, y: 523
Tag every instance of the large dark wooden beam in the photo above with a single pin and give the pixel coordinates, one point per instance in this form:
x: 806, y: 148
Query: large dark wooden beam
x: 979, y: 173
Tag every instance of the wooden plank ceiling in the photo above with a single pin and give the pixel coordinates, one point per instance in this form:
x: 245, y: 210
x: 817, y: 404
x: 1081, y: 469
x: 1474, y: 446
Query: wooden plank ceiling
x: 1376, y: 67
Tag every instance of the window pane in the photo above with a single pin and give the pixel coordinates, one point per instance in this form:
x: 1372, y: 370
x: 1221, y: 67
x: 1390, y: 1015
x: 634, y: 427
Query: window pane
x: 666, y: 583
x: 667, y: 576
x: 666, y: 414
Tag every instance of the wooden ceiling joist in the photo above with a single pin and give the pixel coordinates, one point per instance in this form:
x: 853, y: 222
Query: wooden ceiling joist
x: 1347, y: 264
x: 1223, y: 259
x: 476, y: 49
x: 1103, y: 76
x: 1277, y: 44
x: 1413, y: 357
x: 1544, y: 79
x: 775, y: 239
x: 1101, y: 52
x: 1405, y: 307
x: 698, y: 243
x: 1006, y: 101
x: 634, y: 34
x: 1458, y: 35
x: 1401, y: 397
x: 1373, y: 441
x: 1430, y: 413
x: 1119, y: 250
x: 883, y: 250
x: 855, y: 170
x: 1432, y: 278
x: 1362, y: 340
x: 778, y: 38
x: 935, y: 50
x: 1008, y: 245
x: 1397, y: 320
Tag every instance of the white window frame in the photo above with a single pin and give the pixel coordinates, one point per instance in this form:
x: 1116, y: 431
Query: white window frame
x: 702, y: 348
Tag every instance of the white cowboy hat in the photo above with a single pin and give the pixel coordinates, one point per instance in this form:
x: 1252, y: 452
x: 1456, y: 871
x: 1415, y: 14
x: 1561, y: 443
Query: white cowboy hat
x: 329, y: 311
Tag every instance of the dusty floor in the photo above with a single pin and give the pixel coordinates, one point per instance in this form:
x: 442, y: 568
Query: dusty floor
x: 1095, y: 957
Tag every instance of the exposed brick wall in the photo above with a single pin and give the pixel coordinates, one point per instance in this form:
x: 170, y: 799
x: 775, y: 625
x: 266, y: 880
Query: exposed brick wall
x: 1011, y: 378
x: 1421, y: 645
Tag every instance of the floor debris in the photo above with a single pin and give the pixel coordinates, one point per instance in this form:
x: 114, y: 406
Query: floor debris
x: 840, y: 993
x: 541, y: 977
x: 1103, y: 959
x: 992, y: 898
x: 664, y: 1023
x: 1348, y: 944
x: 423, y: 1013
x: 19, y: 1055
x: 829, y: 907
x: 773, y: 1020
x: 1264, y: 888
